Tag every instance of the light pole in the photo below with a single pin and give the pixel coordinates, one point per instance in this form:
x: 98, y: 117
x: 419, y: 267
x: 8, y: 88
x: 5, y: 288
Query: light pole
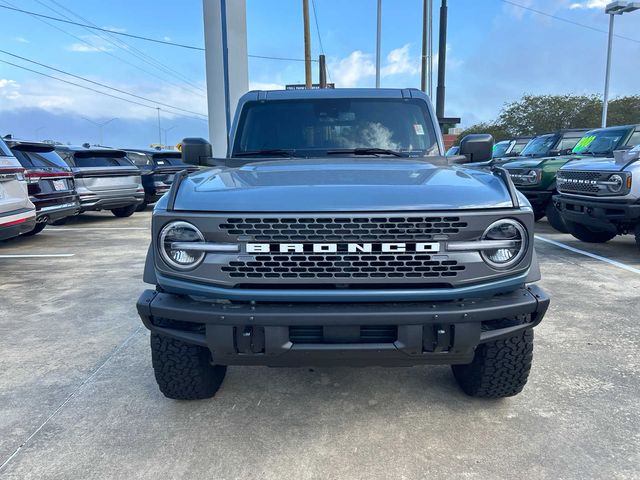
x: 100, y: 125
x: 613, y: 9
x: 37, y: 132
x: 165, y: 131
x: 159, y: 128
x: 378, y: 42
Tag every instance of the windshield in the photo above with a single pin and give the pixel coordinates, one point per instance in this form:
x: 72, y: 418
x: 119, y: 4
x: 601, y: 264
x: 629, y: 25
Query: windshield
x: 601, y: 142
x: 100, y: 161
x: 519, y: 146
x: 39, y: 159
x: 500, y: 148
x: 312, y: 127
x: 168, y: 159
x: 139, y: 159
x: 540, y: 146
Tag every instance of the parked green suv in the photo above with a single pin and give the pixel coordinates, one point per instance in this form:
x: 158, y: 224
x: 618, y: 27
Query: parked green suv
x: 536, y: 177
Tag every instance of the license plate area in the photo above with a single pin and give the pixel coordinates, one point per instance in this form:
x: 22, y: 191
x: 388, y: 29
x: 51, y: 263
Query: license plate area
x: 59, y: 185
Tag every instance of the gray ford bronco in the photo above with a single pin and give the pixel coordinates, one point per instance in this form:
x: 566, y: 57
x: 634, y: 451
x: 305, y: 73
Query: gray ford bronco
x: 335, y: 232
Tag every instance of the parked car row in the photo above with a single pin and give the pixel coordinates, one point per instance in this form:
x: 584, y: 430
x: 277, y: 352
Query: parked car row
x: 581, y: 180
x: 44, y: 184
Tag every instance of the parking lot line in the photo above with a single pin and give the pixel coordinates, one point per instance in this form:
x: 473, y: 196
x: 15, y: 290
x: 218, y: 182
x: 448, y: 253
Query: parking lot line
x: 589, y: 254
x: 43, y: 255
x: 73, y: 229
x: 71, y: 395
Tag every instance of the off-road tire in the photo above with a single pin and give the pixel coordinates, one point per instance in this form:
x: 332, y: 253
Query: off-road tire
x: 184, y: 371
x: 142, y: 207
x: 499, y: 368
x: 124, y: 211
x: 37, y: 229
x: 585, y: 234
x: 538, y: 215
x: 555, y: 218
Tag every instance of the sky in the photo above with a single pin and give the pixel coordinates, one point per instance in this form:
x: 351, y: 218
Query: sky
x: 496, y: 53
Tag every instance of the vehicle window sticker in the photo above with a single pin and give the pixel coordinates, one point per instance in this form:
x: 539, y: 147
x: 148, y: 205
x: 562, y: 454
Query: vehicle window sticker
x: 584, y: 143
x: 418, y: 128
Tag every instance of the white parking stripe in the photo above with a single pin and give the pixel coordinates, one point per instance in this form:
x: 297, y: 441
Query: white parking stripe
x: 74, y: 229
x: 589, y: 254
x: 44, y: 255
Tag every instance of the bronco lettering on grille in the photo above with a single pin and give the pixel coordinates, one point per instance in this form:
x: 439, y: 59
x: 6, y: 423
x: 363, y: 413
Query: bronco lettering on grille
x: 421, y: 247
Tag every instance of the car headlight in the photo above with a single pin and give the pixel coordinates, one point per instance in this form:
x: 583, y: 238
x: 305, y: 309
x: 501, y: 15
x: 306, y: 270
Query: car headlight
x: 532, y: 177
x: 515, y: 234
x: 615, y: 183
x: 174, y: 242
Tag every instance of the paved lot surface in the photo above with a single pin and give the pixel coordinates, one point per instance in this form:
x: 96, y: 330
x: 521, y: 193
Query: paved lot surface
x: 78, y: 399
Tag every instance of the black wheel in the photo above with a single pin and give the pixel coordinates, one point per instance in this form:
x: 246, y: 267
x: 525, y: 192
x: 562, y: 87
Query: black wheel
x: 60, y: 222
x: 587, y: 234
x: 124, y: 211
x: 142, y: 207
x: 37, y: 229
x: 555, y: 218
x: 499, y: 369
x: 538, y: 215
x: 184, y: 371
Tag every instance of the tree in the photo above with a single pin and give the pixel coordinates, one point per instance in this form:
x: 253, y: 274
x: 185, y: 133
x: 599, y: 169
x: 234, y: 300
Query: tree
x: 538, y: 114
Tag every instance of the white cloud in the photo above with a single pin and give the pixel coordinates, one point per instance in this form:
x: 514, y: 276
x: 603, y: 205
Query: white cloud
x: 350, y: 71
x: 84, y: 48
x: 59, y: 98
x: 166, y: 39
x: 399, y: 61
x: 21, y: 40
x: 600, y: 4
x: 265, y: 86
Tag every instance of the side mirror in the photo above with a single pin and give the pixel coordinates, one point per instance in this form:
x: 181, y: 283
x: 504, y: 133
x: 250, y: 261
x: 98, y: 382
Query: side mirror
x: 196, y: 151
x: 477, y: 147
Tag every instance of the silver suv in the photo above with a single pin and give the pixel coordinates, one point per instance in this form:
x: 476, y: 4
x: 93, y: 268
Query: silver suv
x: 17, y: 213
x: 105, y: 179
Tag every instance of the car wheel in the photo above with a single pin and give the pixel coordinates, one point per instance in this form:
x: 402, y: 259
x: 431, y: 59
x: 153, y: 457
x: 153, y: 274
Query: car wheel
x: 124, y: 211
x: 555, y: 218
x: 142, y: 207
x: 499, y: 368
x: 587, y: 234
x: 184, y: 371
x: 37, y: 229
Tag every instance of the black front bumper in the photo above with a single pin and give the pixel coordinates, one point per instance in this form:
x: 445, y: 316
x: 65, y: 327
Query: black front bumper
x: 537, y: 198
x: 598, y: 213
x: 342, y: 334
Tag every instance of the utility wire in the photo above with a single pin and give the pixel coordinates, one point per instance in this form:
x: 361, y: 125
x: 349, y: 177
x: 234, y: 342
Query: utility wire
x: 138, y: 37
x: 130, y: 49
x: 98, y: 91
x: 566, y: 20
x: 91, y: 45
x: 100, y: 84
x: 315, y: 17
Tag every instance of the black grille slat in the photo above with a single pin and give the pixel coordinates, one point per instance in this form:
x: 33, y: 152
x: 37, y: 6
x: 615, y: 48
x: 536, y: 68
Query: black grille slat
x: 368, y: 334
x: 343, y: 229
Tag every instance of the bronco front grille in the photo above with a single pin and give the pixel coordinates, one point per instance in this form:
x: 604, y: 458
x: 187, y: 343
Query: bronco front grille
x: 578, y: 182
x: 343, y: 228
x: 314, y: 266
x: 363, y: 334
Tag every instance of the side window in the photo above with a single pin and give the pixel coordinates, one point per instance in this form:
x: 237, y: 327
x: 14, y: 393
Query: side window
x: 634, y: 140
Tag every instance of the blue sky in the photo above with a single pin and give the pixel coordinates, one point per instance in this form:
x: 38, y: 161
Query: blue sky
x: 497, y: 52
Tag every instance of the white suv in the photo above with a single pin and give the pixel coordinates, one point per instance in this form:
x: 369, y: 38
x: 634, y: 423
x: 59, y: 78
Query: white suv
x: 17, y: 213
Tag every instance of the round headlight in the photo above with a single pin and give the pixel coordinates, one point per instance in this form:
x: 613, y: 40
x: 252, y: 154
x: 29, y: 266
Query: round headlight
x: 532, y: 176
x: 615, y: 183
x: 174, y: 242
x: 511, y: 231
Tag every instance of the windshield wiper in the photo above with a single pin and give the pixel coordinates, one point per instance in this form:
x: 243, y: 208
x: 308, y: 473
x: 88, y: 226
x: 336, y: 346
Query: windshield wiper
x: 366, y: 151
x: 276, y: 152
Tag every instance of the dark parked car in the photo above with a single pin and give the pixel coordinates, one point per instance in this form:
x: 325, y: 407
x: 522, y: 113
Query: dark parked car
x: 49, y: 180
x: 105, y: 179
x: 158, y: 168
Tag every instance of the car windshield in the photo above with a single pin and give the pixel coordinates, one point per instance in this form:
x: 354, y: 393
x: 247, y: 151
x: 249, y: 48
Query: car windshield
x: 139, y: 159
x: 39, y: 159
x: 601, y: 142
x: 313, y: 127
x: 519, y: 146
x: 500, y: 148
x: 168, y: 159
x: 100, y: 161
x: 540, y: 145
